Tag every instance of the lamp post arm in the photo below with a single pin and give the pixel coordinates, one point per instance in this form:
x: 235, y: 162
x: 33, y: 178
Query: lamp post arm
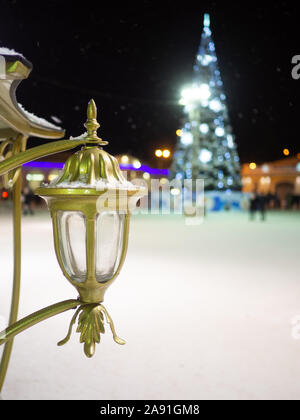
x: 19, y: 157
x: 35, y: 318
x: 37, y: 153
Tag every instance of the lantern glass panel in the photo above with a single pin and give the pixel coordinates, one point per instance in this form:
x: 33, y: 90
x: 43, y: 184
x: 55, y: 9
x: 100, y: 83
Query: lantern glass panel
x: 109, y: 244
x: 72, y: 238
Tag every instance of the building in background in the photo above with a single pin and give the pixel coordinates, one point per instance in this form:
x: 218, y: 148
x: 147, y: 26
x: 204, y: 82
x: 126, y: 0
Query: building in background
x: 280, y: 179
x: 206, y: 148
x: 133, y: 168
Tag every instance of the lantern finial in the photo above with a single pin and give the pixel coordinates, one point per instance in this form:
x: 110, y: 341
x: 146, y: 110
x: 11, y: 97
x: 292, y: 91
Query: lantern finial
x: 92, y: 125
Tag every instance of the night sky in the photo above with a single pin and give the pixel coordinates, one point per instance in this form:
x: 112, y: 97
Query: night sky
x: 134, y: 58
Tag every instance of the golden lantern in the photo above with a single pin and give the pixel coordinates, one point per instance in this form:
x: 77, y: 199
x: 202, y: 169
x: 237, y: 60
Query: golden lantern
x: 90, y: 204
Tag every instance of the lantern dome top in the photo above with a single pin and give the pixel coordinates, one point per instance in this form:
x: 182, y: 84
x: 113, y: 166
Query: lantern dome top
x: 92, y: 168
x: 90, y: 171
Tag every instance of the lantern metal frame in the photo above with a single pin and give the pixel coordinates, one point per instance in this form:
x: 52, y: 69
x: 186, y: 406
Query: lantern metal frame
x: 90, y: 291
x: 91, y: 164
x: 13, y: 154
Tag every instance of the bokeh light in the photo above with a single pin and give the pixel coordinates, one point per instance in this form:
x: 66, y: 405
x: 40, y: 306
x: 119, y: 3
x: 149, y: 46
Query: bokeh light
x: 166, y: 154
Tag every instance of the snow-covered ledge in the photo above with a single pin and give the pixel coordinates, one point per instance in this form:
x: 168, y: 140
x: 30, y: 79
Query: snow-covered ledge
x: 7, y: 51
x: 14, y: 118
x: 37, y: 120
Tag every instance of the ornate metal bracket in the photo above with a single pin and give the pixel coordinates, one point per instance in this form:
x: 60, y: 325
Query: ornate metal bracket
x: 90, y: 323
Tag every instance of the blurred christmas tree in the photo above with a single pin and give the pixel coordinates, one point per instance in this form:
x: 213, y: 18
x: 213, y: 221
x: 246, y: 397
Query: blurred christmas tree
x: 206, y: 147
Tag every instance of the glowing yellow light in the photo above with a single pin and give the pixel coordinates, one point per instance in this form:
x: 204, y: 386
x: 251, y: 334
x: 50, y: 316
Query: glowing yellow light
x: 125, y: 159
x: 179, y: 133
x: 166, y: 154
x: 164, y: 181
x: 52, y: 177
x: 146, y: 176
x: 136, y: 164
x: 252, y: 166
x: 286, y: 152
x: 158, y: 153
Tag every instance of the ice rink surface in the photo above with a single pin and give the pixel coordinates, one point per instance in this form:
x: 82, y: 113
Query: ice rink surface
x: 206, y: 312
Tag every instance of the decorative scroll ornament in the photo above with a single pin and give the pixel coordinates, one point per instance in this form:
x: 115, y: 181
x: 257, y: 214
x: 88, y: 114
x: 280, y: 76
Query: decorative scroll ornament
x: 8, y: 149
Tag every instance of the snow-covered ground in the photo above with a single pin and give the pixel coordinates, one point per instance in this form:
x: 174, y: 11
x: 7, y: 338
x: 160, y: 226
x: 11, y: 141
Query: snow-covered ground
x: 206, y: 312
